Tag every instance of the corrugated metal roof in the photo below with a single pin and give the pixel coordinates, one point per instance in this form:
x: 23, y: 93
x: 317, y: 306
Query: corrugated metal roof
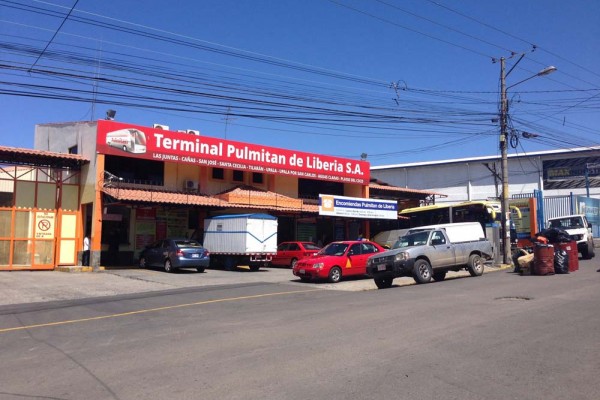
x: 488, y: 158
x: 405, y: 190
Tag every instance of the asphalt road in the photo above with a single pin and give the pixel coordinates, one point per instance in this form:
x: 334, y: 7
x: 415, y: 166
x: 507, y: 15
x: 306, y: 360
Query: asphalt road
x: 499, y: 336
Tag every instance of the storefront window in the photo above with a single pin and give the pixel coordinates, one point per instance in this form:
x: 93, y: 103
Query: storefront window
x: 238, y: 176
x: 22, y: 252
x: 218, y: 173
x: 5, y: 223
x: 7, y: 188
x: 44, y: 251
x: 23, y: 228
x: 25, y: 194
x: 4, y: 252
x: 46, y: 196
x: 257, y: 178
x: 70, y: 197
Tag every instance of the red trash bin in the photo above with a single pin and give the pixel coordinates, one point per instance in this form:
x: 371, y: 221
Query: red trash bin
x: 571, y: 249
x: 543, y: 259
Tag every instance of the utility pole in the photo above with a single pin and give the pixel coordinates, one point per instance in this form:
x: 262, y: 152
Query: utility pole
x: 505, y: 220
x: 507, y: 259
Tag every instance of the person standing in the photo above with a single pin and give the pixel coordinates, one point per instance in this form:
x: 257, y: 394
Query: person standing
x: 85, y: 257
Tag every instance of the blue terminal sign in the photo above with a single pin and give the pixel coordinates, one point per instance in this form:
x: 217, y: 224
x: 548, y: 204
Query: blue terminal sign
x: 356, y: 207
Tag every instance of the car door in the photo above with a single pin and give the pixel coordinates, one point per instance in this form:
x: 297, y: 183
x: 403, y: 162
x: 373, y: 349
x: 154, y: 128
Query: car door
x: 443, y: 252
x: 294, y: 251
x: 367, y: 250
x: 153, y: 255
x: 354, y: 260
x: 281, y: 256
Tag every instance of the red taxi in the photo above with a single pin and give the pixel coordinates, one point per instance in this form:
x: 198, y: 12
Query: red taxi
x: 337, y: 260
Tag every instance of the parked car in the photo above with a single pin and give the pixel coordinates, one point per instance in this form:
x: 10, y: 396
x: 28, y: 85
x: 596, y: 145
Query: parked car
x: 337, y: 260
x: 175, y: 253
x: 288, y: 253
x: 579, y: 229
x: 431, y: 251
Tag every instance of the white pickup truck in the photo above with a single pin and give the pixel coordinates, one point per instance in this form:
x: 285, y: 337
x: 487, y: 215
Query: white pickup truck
x: 579, y: 229
x: 430, y: 252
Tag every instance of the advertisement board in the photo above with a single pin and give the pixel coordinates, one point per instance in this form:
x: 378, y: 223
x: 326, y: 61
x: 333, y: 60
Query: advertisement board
x: 127, y: 140
x: 355, y: 207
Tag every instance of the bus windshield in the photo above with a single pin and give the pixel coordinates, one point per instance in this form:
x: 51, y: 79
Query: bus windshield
x: 140, y: 138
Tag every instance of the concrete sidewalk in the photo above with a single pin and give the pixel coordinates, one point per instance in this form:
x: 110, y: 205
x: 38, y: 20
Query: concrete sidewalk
x: 20, y: 287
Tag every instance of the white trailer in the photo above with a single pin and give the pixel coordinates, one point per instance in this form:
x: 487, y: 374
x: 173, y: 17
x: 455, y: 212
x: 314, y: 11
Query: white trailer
x: 241, y: 239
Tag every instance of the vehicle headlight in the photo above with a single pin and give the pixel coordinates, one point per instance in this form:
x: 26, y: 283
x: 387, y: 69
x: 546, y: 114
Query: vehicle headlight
x: 402, y: 256
x: 577, y: 237
x: 318, y: 265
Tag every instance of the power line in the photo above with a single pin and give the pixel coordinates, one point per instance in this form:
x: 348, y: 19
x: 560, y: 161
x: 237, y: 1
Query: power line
x: 53, y: 36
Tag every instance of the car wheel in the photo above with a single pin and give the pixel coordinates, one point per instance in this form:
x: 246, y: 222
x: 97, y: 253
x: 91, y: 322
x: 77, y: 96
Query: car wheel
x: 335, y: 275
x: 475, y: 265
x: 422, y: 271
x: 439, y: 276
x: 142, y: 263
x: 200, y: 269
x: 384, y: 283
x: 169, y: 266
x: 293, y: 263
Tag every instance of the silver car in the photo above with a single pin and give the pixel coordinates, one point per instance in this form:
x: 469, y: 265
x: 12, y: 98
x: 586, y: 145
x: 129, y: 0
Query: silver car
x: 175, y: 253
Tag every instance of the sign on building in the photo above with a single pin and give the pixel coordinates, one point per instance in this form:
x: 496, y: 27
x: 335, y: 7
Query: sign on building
x: 356, y: 207
x: 44, y: 225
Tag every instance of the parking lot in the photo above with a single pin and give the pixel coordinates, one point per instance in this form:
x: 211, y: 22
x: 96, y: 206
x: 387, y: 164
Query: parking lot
x: 20, y: 287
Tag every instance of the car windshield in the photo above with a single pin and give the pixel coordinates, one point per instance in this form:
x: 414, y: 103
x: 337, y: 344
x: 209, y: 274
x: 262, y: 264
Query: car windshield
x: 572, y: 222
x: 311, y: 246
x: 413, y: 239
x: 184, y: 244
x: 334, y: 249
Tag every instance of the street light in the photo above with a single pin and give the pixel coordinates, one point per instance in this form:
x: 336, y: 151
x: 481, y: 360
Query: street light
x: 507, y: 259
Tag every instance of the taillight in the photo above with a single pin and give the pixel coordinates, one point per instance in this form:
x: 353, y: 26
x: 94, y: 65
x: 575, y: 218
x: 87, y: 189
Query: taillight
x: 179, y: 253
x: 206, y: 253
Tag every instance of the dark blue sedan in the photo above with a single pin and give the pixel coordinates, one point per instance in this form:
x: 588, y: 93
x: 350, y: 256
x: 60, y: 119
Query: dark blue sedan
x: 175, y: 253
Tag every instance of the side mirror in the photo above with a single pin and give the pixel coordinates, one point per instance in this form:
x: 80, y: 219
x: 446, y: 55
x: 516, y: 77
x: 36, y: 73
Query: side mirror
x: 436, y: 242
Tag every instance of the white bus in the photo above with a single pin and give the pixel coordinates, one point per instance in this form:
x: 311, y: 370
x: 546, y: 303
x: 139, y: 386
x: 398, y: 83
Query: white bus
x: 129, y: 140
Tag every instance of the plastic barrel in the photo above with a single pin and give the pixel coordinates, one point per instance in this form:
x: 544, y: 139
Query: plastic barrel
x: 543, y: 259
x: 571, y: 248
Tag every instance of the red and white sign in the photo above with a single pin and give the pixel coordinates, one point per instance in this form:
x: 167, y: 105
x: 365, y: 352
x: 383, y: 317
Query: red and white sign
x: 44, y: 225
x: 156, y: 144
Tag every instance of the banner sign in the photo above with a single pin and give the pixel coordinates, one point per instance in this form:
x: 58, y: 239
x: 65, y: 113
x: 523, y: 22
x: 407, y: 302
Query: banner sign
x: 127, y: 140
x: 355, y: 207
x: 568, y: 173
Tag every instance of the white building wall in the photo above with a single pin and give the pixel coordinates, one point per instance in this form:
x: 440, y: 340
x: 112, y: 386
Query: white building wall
x: 470, y: 179
x: 61, y: 137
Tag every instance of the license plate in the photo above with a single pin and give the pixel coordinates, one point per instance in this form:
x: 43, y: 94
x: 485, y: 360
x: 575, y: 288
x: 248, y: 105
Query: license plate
x: 381, y: 267
x: 302, y: 271
x: 195, y: 255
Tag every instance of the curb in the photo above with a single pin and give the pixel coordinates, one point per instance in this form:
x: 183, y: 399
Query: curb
x: 78, y: 268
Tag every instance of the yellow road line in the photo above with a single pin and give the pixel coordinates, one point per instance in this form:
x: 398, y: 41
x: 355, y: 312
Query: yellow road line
x: 73, y: 321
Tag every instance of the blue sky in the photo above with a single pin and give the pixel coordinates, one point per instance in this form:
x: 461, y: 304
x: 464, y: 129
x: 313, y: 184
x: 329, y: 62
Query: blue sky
x: 398, y: 80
